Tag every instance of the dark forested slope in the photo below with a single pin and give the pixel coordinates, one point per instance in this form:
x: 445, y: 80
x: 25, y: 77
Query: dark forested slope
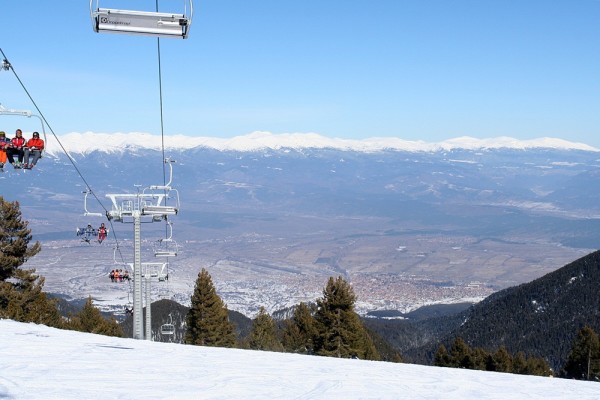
x: 541, y: 317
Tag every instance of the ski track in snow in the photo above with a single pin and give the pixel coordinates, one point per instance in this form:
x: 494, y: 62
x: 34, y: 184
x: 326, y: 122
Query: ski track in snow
x: 45, y: 363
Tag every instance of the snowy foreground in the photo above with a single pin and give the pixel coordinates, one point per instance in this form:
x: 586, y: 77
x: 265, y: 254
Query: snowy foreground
x: 37, y: 362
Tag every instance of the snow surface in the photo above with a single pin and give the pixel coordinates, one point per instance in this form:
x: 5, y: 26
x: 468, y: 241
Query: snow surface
x: 117, y: 142
x: 38, y: 362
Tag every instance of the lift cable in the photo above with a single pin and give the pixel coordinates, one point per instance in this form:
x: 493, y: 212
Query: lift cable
x: 162, y: 130
x: 162, y: 137
x: 7, y: 65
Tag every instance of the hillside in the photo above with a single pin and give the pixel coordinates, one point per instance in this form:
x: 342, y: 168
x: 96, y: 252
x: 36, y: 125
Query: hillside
x: 45, y: 363
x: 540, y: 318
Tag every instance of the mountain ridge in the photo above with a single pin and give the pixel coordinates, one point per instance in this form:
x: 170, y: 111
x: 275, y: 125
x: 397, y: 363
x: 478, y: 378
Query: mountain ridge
x: 87, y: 142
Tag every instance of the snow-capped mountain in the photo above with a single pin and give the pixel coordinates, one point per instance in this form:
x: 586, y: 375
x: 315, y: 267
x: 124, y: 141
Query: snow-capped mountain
x: 110, y: 142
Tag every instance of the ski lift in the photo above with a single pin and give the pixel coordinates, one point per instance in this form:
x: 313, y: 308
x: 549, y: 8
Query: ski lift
x: 157, y: 208
x: 88, y: 233
x: 126, y: 206
x: 86, y: 213
x: 157, y: 270
x: 168, y: 329
x: 166, y: 251
x: 167, y: 246
x: 145, y: 23
x: 23, y: 113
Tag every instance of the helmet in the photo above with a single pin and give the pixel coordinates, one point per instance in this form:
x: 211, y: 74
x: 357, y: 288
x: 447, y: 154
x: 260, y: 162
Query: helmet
x: 36, y: 135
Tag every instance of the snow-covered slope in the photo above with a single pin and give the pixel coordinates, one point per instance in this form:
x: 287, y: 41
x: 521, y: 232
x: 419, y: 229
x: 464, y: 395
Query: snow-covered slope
x: 115, y: 142
x: 44, y: 363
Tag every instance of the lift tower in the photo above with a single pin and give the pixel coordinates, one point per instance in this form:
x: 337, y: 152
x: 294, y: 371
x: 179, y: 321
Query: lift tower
x: 147, y: 206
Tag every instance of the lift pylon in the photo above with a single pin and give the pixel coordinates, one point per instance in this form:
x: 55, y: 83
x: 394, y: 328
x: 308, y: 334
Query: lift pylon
x: 146, y: 206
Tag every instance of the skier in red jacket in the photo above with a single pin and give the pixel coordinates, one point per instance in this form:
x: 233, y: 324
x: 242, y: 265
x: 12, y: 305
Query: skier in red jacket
x: 16, y: 148
x: 34, y: 146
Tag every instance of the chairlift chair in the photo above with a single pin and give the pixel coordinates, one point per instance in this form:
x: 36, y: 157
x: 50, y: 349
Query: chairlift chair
x: 169, y: 328
x: 167, y: 246
x: 86, y: 213
x: 145, y: 23
x: 161, y: 193
x: 28, y: 114
x: 167, y: 250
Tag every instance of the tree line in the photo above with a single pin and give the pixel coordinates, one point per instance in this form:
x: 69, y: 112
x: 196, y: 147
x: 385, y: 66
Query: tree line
x: 461, y: 355
x: 329, y: 328
x: 583, y: 362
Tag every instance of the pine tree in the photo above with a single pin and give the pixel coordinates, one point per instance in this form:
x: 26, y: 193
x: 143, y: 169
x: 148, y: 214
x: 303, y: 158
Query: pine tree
x: 14, y: 239
x: 460, y: 354
x: 520, y: 363
x: 500, y: 361
x: 264, y: 333
x: 23, y: 300
x: 208, y: 320
x: 300, y: 331
x: 442, y: 358
x: 538, y: 366
x: 583, y: 361
x: 479, y: 358
x: 21, y: 295
x: 340, y: 330
x: 89, y: 319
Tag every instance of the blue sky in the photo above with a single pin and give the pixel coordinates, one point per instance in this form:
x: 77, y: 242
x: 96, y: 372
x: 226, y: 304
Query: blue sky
x: 415, y: 69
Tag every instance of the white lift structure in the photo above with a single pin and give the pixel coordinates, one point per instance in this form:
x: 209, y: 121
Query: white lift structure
x: 147, y: 206
x: 149, y: 272
x: 167, y: 246
x: 147, y: 23
x: 86, y: 213
x: 25, y: 113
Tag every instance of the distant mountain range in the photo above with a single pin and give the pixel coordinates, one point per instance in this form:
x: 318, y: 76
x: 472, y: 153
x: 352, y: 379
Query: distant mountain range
x: 88, y: 142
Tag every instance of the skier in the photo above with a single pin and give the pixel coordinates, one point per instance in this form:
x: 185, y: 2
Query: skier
x: 102, y: 231
x: 34, y: 147
x: 16, y: 149
x: 4, y: 143
x: 86, y: 232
